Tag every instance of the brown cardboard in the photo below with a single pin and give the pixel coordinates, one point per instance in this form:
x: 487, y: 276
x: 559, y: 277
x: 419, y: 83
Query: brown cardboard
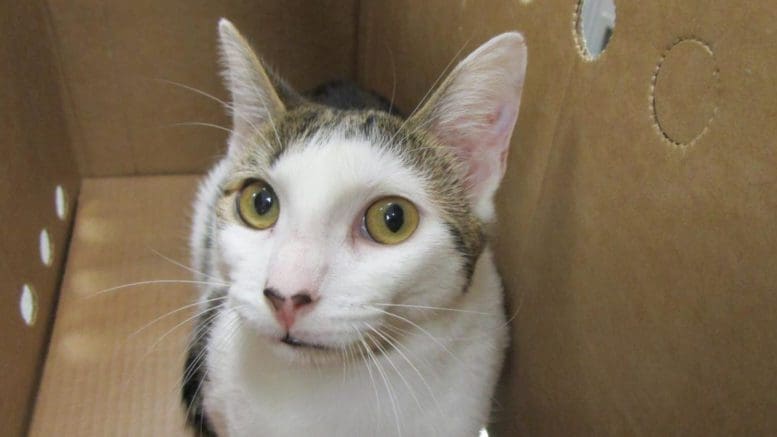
x: 34, y: 158
x: 640, y: 256
x: 405, y: 46
x: 117, y: 55
x: 108, y: 369
x: 637, y: 235
x: 647, y: 274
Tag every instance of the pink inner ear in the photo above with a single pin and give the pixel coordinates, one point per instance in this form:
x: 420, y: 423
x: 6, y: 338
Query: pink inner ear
x: 485, y: 147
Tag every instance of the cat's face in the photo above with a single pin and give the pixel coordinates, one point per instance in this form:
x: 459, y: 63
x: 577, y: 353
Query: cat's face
x: 321, y: 245
x: 334, y: 224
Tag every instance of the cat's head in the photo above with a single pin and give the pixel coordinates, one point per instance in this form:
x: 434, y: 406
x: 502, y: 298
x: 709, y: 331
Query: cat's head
x: 332, y: 223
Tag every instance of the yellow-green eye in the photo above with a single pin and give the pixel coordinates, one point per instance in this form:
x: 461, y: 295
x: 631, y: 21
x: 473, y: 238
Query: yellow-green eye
x: 391, y: 220
x: 258, y: 205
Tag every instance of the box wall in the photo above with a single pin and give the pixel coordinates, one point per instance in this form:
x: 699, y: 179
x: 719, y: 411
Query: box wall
x: 119, y: 58
x: 638, y: 249
x: 36, y: 157
x: 642, y: 266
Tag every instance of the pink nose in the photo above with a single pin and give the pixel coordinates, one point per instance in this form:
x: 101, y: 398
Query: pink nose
x: 287, y: 308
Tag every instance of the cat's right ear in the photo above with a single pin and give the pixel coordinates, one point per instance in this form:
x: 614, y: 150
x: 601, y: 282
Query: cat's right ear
x: 254, y: 98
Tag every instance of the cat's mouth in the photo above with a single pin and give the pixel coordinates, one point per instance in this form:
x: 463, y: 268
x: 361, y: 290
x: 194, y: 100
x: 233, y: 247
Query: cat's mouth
x: 297, y: 343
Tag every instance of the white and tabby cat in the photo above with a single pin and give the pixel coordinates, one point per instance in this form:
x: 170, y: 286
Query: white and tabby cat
x: 362, y: 297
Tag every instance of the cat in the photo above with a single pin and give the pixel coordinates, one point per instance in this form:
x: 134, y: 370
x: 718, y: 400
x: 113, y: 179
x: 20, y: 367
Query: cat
x: 352, y: 290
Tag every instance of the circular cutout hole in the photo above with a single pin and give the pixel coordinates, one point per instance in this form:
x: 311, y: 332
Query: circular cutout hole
x: 595, y: 25
x: 60, y: 202
x: 28, y: 304
x: 46, y: 249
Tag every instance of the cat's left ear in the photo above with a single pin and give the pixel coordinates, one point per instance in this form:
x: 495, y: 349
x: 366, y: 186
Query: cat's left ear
x: 474, y: 112
x: 255, y: 100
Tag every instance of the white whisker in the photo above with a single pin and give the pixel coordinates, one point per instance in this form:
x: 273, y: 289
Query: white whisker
x: 184, y: 266
x: 185, y: 321
x: 229, y: 106
x: 428, y: 92
x: 155, y: 282
x: 423, y: 307
x: 369, y: 371
x: 428, y: 334
x: 385, y: 353
x: 386, y: 383
x: 176, y: 311
x: 397, y: 345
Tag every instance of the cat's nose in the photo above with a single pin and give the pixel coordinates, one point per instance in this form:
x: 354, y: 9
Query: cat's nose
x: 301, y: 299
x: 275, y: 299
x: 287, y: 308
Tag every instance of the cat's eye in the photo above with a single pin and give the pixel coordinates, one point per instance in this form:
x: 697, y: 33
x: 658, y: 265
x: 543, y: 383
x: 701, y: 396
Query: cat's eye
x: 258, y: 205
x: 391, y: 220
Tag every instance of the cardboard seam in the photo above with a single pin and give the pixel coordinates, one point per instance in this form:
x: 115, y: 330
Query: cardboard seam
x: 553, y: 146
x: 61, y: 268
x: 81, y: 158
x: 652, y: 96
x: 58, y: 281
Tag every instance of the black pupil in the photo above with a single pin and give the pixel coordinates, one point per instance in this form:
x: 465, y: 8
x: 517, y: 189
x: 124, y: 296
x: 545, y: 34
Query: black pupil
x: 263, y: 201
x: 394, y: 217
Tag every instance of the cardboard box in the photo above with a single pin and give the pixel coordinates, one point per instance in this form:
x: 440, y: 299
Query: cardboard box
x: 637, y: 237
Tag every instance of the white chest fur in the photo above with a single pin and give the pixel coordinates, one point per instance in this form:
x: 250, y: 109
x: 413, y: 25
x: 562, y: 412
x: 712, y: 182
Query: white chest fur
x: 438, y: 382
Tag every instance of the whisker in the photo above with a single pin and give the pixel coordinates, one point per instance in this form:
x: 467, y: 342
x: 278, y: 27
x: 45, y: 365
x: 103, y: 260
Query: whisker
x: 360, y: 348
x: 178, y: 310
x: 184, y: 266
x: 431, y: 88
x: 229, y: 106
x: 154, y: 282
x: 393, y: 77
x: 391, y: 363
x: 268, y: 113
x: 185, y: 321
x: 442, y: 74
x: 423, y: 307
x: 428, y: 334
x: 203, y: 124
x: 389, y: 390
x: 396, y: 344
x: 234, y: 321
x: 192, y: 89
x: 199, y: 359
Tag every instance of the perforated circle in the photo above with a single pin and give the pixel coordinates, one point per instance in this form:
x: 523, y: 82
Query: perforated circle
x: 685, y: 90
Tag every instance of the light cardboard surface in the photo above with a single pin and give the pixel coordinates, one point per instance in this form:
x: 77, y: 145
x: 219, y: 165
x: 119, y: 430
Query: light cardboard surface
x: 115, y: 358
